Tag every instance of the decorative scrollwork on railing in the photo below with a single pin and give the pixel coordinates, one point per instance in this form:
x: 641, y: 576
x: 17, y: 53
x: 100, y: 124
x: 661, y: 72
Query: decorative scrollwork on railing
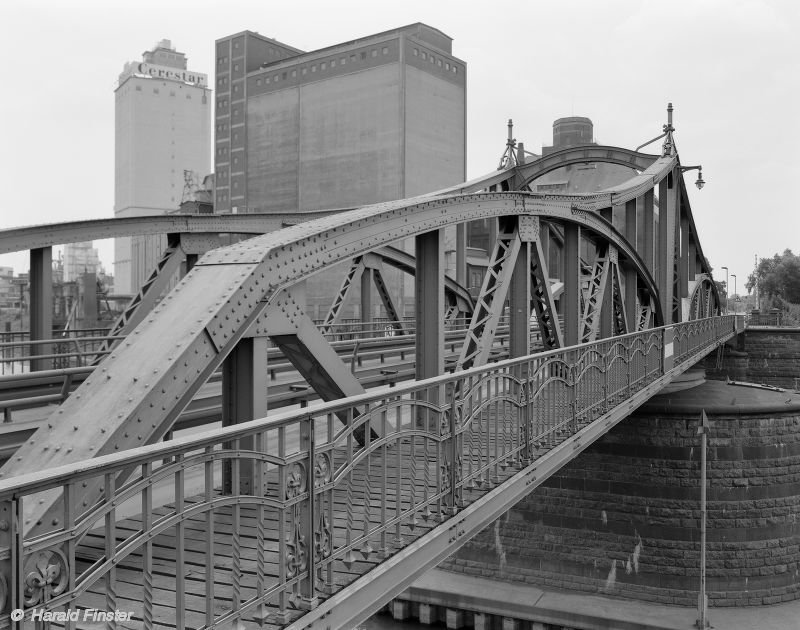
x: 296, y: 554
x: 295, y: 480
x: 322, y: 469
x: 46, y: 576
x: 444, y: 425
x: 322, y: 539
x: 445, y: 468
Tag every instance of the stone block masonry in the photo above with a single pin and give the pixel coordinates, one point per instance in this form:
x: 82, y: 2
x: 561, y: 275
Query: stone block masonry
x: 624, y: 518
x: 763, y: 355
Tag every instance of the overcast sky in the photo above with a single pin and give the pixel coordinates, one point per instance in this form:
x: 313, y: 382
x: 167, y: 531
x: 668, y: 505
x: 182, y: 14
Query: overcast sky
x: 730, y: 67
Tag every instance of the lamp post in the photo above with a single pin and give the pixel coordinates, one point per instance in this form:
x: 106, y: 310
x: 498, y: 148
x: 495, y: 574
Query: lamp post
x: 700, y: 181
x: 735, y: 295
x: 702, y: 603
x: 727, y: 290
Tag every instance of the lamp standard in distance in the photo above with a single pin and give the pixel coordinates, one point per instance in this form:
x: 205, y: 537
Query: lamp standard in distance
x: 727, y: 290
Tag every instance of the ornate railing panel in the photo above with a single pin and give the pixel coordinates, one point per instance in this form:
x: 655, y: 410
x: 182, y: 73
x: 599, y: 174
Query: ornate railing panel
x: 263, y: 521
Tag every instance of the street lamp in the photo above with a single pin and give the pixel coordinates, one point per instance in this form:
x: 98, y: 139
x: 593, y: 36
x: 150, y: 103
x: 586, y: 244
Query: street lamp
x: 735, y: 295
x: 727, y: 290
x: 700, y: 181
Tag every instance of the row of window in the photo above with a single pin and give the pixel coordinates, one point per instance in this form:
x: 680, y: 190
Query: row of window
x: 323, y: 65
x: 436, y: 60
x: 171, y: 92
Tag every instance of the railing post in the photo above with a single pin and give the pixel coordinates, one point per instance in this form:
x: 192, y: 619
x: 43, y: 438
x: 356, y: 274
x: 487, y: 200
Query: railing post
x: 452, y: 454
x: 305, y: 525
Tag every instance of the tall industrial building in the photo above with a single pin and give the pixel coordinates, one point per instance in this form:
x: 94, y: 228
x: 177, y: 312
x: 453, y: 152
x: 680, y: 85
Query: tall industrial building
x: 79, y: 259
x: 163, y: 128
x: 378, y: 118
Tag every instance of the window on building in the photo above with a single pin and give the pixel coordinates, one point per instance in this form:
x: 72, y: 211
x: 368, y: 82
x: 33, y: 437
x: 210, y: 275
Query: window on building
x: 353, y: 57
x: 258, y: 81
x: 374, y: 52
x: 314, y: 68
x: 304, y: 71
x: 385, y: 50
x: 236, y: 67
x: 363, y: 55
x: 416, y: 52
x: 439, y: 62
x: 138, y: 88
x: 424, y: 55
x: 343, y: 60
x: 447, y: 66
x: 323, y: 66
x: 333, y: 63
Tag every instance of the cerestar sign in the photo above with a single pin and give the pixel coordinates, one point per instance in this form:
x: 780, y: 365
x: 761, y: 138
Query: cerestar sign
x: 173, y: 74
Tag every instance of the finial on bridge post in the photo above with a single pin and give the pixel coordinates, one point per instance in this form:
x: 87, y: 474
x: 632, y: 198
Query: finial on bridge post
x: 669, y: 144
x: 509, y: 158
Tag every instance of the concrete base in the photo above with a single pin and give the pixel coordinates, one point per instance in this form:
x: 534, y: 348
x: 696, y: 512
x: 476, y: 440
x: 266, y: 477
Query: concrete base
x: 482, y: 621
x: 455, y: 619
x: 401, y: 610
x: 428, y: 614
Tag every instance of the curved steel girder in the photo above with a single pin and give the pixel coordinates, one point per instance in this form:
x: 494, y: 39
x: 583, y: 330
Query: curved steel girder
x: 582, y: 155
x: 138, y: 391
x: 533, y: 170
x: 404, y: 261
x: 703, y: 283
x: 35, y: 236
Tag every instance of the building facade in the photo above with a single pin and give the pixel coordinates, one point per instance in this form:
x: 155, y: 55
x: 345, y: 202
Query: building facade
x: 162, y: 128
x: 374, y: 119
x: 80, y: 258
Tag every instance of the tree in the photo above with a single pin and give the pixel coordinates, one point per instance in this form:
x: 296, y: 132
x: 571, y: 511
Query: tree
x: 778, y: 278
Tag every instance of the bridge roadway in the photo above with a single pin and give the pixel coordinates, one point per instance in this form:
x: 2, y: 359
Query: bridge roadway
x: 277, y: 519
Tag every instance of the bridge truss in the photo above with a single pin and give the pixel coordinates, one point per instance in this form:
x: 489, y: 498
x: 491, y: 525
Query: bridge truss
x: 397, y: 479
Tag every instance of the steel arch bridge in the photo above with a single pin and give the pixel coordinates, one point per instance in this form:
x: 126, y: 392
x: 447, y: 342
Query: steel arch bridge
x: 351, y: 499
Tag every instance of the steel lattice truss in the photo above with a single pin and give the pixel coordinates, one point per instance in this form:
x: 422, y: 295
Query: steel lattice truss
x: 627, y: 266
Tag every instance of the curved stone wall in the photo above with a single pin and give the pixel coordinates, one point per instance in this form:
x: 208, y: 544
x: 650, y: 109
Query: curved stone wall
x: 624, y: 517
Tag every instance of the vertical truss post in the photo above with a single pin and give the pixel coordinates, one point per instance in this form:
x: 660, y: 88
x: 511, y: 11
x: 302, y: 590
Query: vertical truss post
x: 631, y: 277
x: 41, y: 304
x: 683, y: 274
x: 647, y: 230
x: 366, y: 301
x: 666, y: 244
x: 571, y: 299
x: 429, y: 305
x: 461, y: 254
x: 244, y: 398
x: 519, y: 344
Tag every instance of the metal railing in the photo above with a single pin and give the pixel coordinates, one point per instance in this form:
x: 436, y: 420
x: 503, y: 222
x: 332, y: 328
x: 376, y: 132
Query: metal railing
x: 267, y: 518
